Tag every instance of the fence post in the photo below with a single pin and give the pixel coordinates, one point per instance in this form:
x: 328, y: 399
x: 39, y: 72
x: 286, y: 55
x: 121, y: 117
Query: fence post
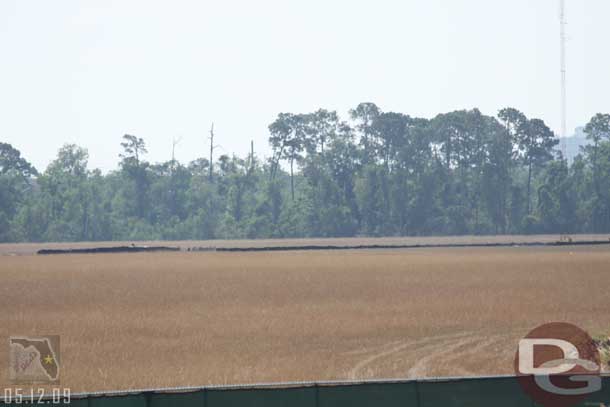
x: 147, y: 398
x: 417, y: 395
x: 317, y: 391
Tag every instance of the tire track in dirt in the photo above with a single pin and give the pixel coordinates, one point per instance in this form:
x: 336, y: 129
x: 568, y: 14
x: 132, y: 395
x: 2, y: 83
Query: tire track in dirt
x: 420, y: 369
x: 460, y: 358
x: 450, y: 352
x: 392, y: 348
x: 365, y: 350
x: 360, y: 366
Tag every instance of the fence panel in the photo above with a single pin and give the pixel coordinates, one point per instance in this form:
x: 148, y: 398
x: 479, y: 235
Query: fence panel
x: 138, y: 400
x: 369, y: 394
x: 176, y: 399
x: 294, y: 397
x: 476, y: 392
x: 73, y: 403
x: 497, y: 392
x: 601, y: 398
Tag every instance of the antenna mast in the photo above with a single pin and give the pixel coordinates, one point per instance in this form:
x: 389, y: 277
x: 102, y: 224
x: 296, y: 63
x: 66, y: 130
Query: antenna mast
x: 564, y: 237
x: 564, y: 103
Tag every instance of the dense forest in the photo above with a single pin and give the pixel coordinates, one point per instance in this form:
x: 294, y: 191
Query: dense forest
x: 376, y: 174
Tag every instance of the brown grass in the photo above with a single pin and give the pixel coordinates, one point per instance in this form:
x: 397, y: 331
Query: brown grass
x: 179, y: 319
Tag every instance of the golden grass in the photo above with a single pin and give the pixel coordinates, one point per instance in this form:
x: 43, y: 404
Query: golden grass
x: 180, y: 319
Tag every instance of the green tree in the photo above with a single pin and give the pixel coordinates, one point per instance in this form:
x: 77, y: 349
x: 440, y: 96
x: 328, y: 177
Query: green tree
x: 288, y: 139
x: 15, y: 185
x: 597, y: 131
x: 135, y: 171
x: 365, y: 114
x: 536, y: 144
x: 65, y: 192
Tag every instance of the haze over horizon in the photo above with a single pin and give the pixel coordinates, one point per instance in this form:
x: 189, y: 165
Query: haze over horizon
x: 89, y: 72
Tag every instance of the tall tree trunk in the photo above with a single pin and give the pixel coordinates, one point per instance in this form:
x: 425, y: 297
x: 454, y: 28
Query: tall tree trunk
x: 529, y: 186
x: 596, y: 172
x: 405, y: 215
x: 85, y: 231
x: 292, y: 178
x: 275, y: 162
x: 503, y: 215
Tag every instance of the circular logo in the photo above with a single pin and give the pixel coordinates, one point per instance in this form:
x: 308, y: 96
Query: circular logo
x: 558, y: 365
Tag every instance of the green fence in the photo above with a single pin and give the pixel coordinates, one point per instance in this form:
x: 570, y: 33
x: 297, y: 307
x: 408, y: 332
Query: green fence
x: 463, y: 392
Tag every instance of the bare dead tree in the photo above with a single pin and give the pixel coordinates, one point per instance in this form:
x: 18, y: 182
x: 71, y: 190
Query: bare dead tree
x: 211, y: 151
x: 175, y: 142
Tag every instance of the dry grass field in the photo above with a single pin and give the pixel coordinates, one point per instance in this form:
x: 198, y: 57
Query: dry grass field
x: 180, y: 319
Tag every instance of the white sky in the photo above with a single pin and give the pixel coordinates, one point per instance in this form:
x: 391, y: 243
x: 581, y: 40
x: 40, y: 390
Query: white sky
x: 87, y: 72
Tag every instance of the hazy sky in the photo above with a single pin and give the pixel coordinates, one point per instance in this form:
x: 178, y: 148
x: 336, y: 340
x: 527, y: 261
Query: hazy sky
x: 87, y: 72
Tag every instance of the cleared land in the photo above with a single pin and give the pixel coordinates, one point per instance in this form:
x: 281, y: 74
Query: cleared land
x: 32, y: 248
x: 180, y: 319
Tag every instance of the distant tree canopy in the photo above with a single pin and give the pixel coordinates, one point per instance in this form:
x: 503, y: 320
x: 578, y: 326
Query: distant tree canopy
x: 378, y: 174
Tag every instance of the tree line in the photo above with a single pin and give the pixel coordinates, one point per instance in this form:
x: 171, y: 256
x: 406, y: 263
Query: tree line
x: 375, y: 174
